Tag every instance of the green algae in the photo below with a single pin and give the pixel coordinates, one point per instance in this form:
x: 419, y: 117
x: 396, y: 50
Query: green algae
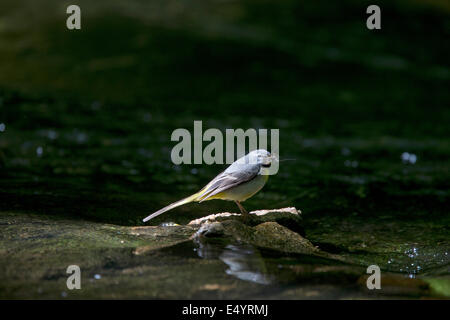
x: 440, y: 284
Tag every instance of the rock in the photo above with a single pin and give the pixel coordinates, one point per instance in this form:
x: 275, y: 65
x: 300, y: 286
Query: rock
x: 160, y: 236
x: 288, y: 217
x: 276, y: 236
x: 269, y: 235
x: 213, y: 229
x: 158, y: 233
x: 162, y: 262
x: 276, y: 229
x: 440, y: 285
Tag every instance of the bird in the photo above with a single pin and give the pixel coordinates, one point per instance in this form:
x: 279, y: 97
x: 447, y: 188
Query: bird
x: 240, y: 181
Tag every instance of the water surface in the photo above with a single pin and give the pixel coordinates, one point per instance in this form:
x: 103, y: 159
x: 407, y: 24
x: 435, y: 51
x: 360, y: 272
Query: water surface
x: 86, y: 119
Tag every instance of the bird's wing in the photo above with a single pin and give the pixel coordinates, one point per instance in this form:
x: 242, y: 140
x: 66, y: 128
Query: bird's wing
x: 228, y: 179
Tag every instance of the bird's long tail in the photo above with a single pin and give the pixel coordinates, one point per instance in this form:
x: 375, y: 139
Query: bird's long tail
x: 171, y: 206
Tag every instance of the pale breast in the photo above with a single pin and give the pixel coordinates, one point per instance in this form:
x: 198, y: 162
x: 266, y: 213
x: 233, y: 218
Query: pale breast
x: 244, y: 190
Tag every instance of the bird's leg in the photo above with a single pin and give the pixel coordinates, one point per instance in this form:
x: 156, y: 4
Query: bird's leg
x: 243, y: 211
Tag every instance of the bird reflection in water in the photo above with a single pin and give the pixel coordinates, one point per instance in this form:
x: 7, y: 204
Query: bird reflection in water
x: 244, y: 261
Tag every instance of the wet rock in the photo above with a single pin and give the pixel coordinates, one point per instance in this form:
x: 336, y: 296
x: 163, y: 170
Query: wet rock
x: 276, y: 236
x: 439, y: 285
x: 160, y: 236
x: 277, y: 229
x: 164, y: 232
x: 214, y: 229
x: 269, y: 235
x: 153, y: 261
x: 290, y: 218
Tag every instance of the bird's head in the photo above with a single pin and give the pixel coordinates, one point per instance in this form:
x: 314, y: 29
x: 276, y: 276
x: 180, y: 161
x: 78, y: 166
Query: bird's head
x: 261, y: 157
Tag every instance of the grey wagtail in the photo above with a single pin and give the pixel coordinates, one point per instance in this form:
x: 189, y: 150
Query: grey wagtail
x: 240, y: 181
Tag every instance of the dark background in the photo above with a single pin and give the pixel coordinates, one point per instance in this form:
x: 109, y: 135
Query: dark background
x: 88, y: 114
